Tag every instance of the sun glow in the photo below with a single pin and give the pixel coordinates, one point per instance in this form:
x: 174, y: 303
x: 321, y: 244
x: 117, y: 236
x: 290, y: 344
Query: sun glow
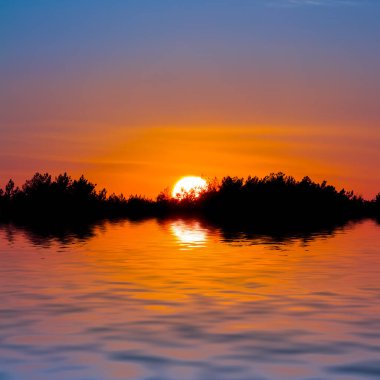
x: 189, y: 186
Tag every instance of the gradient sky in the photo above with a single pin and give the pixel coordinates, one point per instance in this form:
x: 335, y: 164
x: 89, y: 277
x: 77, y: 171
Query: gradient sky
x: 137, y: 93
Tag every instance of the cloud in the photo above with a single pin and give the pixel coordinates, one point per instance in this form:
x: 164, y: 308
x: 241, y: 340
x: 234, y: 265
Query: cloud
x: 294, y: 3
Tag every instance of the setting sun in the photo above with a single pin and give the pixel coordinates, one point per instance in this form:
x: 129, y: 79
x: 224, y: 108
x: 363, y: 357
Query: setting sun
x: 187, y: 185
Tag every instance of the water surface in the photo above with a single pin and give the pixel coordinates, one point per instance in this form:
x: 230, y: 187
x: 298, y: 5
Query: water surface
x: 181, y: 300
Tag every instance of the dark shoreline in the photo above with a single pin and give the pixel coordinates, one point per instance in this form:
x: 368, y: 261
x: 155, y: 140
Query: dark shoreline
x: 275, y: 204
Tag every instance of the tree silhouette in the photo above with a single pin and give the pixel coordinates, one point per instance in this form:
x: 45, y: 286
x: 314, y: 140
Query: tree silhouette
x: 273, y: 199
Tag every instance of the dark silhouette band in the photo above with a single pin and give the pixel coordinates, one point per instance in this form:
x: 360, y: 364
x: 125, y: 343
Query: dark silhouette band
x: 276, y: 201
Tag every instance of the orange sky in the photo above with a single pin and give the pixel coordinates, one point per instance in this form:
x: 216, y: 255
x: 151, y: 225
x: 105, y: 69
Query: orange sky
x: 146, y: 160
x: 137, y: 95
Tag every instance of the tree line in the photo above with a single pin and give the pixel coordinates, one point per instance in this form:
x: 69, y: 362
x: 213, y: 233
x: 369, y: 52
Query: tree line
x: 276, y: 198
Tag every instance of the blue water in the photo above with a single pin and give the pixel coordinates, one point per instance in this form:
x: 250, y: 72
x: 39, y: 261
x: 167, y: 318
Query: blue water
x: 182, y: 300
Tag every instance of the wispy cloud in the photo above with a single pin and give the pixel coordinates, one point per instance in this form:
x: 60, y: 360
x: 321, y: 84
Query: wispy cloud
x: 294, y: 3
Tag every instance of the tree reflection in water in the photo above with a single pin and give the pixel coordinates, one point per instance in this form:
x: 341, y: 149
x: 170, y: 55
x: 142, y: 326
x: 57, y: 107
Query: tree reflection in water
x: 188, y: 233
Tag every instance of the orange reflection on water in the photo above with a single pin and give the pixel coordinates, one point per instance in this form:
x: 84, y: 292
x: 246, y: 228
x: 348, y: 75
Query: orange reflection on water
x: 189, y: 234
x: 123, y: 302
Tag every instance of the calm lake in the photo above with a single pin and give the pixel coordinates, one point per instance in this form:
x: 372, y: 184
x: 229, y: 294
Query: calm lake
x: 180, y: 300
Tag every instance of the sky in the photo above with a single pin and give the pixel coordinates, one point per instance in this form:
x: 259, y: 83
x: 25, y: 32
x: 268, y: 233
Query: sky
x: 135, y: 94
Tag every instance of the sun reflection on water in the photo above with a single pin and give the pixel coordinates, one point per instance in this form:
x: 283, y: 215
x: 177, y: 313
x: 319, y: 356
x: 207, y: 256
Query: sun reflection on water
x: 120, y: 300
x: 189, y: 234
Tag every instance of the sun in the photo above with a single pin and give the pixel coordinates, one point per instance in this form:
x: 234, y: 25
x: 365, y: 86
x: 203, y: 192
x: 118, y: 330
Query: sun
x: 189, y: 185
